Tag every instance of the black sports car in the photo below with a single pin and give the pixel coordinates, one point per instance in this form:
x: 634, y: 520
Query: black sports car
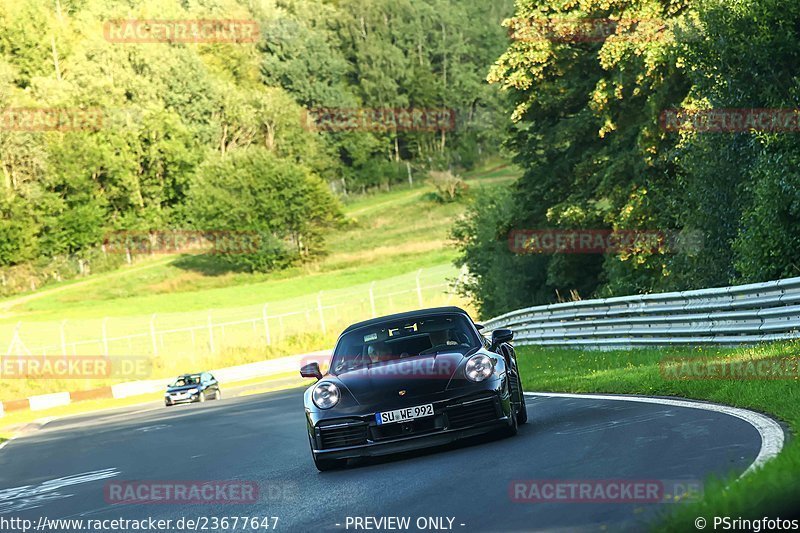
x: 192, y: 388
x: 411, y: 380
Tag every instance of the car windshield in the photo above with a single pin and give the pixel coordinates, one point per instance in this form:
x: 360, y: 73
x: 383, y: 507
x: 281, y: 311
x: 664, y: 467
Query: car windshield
x: 399, y: 339
x: 183, y: 381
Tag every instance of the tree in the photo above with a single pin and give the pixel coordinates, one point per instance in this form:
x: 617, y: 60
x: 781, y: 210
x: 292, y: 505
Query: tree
x: 254, y: 191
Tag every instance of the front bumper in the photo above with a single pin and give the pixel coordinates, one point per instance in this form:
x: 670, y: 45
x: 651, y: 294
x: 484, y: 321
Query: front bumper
x: 172, y: 400
x: 453, y: 419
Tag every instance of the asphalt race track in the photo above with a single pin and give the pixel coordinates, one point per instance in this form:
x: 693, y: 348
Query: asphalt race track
x: 262, y: 438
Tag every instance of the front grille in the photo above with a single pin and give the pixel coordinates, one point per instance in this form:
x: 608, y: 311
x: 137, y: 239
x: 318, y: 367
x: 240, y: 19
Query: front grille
x: 473, y: 412
x: 412, y: 427
x: 339, y: 436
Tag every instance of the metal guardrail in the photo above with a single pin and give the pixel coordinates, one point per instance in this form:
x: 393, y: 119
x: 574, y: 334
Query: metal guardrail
x: 743, y: 314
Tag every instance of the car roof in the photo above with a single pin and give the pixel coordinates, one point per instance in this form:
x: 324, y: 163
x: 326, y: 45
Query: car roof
x: 407, y: 314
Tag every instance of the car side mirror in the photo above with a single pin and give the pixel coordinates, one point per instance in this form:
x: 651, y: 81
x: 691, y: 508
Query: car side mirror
x: 479, y: 327
x: 499, y: 336
x: 311, y: 370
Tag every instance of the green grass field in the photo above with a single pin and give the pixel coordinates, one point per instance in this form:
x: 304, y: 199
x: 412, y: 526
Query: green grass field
x: 148, y: 308
x: 766, y: 492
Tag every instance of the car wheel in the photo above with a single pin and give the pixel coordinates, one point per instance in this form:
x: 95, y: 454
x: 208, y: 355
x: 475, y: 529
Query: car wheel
x: 522, y: 414
x: 167, y: 404
x: 201, y: 397
x: 218, y: 395
x: 513, y: 428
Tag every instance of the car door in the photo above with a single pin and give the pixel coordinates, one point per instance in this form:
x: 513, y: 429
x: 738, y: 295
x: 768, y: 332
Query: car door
x: 213, y: 386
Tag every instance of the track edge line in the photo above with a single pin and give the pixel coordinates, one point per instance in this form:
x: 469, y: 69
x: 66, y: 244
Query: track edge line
x: 770, y: 431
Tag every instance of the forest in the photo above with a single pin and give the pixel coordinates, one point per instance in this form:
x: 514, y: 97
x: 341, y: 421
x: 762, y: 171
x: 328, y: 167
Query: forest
x: 138, y: 135
x: 597, y: 88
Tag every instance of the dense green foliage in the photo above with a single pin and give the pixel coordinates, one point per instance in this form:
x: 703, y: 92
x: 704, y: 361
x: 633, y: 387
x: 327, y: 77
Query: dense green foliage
x: 587, y: 132
x: 215, y: 135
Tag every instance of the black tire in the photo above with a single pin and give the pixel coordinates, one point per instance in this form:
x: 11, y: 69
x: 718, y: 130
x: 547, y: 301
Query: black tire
x: 522, y: 414
x: 201, y: 397
x: 167, y: 404
x: 218, y: 395
x: 511, y: 430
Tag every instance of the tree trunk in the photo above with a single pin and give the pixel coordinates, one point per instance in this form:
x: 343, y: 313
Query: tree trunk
x: 55, y: 57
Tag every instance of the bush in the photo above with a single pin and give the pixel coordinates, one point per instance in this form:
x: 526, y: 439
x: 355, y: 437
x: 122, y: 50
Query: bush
x: 447, y: 187
x: 255, y: 191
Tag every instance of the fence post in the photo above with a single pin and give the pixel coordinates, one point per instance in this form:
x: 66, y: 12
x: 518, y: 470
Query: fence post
x: 459, y: 280
x: 372, y: 298
x: 153, y: 334
x: 321, y: 313
x: 210, y: 333
x: 105, y: 336
x: 266, y: 324
x: 419, y: 287
x: 63, y: 339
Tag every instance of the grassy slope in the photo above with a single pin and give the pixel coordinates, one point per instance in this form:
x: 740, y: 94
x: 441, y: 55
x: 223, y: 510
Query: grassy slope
x: 767, y: 492
x: 392, y: 233
x: 391, y: 236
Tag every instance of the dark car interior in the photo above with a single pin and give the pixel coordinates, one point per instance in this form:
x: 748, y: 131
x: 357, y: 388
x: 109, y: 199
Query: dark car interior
x: 400, y: 340
x: 183, y: 381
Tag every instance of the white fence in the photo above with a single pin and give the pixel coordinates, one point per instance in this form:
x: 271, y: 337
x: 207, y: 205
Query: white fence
x: 209, y: 332
x: 744, y: 314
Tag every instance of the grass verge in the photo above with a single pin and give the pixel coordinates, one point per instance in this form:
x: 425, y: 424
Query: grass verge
x: 772, y: 491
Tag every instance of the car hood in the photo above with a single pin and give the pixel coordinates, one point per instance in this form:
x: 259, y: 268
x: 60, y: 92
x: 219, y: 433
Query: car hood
x: 182, y: 388
x: 417, y: 376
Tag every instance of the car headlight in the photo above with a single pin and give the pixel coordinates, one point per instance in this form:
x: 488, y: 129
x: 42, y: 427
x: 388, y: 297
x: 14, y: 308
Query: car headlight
x: 479, y: 367
x: 325, y: 395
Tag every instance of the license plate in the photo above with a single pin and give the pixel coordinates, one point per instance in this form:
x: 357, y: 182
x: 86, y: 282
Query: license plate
x: 404, y: 415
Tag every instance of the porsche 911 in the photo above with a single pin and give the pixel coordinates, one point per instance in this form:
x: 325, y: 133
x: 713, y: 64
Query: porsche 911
x: 411, y: 380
